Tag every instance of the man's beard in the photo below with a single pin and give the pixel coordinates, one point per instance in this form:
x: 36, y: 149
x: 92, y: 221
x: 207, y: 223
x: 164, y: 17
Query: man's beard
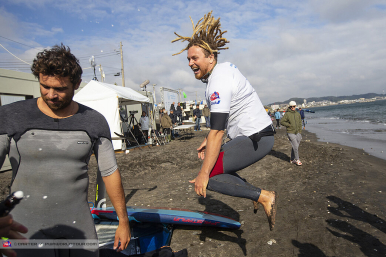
x: 60, y: 104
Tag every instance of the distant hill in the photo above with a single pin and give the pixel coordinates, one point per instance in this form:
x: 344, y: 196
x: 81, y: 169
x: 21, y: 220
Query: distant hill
x: 328, y: 98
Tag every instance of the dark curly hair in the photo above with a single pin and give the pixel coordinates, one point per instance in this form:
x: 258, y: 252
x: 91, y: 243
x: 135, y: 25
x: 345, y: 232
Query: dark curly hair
x: 57, y: 61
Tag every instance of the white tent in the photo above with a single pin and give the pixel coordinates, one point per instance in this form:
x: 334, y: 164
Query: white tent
x: 106, y: 99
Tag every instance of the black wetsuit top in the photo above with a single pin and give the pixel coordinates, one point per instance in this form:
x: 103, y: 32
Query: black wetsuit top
x: 49, y: 159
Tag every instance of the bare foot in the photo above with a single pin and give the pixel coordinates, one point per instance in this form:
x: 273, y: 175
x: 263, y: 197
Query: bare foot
x: 269, y: 201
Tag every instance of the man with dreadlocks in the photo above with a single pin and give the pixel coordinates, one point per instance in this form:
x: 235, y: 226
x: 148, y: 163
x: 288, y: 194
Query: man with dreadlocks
x: 236, y: 107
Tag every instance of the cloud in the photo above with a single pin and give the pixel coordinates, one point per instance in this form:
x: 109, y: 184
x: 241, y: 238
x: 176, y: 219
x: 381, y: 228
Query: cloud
x: 346, y: 10
x: 285, y: 49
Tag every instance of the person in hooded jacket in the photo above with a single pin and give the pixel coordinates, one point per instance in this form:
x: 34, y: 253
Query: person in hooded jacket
x: 166, y: 124
x: 293, y: 122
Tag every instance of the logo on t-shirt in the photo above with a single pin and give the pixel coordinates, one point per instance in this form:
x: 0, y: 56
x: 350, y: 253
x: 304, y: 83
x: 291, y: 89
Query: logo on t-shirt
x: 215, y: 98
x: 7, y: 244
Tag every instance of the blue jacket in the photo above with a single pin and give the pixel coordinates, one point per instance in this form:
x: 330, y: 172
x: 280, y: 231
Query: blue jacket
x: 277, y: 115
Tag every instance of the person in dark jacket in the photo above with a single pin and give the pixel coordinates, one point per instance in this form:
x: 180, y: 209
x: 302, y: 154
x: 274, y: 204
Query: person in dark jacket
x: 173, y: 117
x: 293, y: 122
x: 197, y: 116
x: 179, y: 112
x: 302, y: 116
x: 172, y: 107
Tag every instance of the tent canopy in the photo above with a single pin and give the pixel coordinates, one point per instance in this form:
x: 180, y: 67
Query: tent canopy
x: 106, y: 98
x: 95, y: 91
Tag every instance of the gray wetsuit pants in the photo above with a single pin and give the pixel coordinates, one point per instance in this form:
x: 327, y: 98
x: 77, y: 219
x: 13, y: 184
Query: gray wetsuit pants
x: 295, y: 142
x: 236, y: 155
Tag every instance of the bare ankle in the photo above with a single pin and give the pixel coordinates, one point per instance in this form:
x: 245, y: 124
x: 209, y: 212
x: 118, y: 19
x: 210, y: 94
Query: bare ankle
x: 266, y: 197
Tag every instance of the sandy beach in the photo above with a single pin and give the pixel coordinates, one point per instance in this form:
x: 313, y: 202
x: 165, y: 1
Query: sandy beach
x: 333, y: 205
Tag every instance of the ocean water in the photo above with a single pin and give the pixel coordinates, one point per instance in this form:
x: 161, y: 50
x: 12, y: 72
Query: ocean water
x: 359, y: 125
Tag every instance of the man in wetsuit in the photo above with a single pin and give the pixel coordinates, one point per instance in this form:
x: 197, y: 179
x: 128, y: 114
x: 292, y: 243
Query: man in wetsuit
x: 234, y: 106
x: 49, y: 141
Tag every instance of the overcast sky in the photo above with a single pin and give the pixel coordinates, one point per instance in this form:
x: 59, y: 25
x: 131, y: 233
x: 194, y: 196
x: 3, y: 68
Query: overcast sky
x: 284, y: 48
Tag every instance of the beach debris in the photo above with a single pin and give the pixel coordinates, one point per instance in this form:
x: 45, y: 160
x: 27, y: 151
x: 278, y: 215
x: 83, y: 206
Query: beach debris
x: 45, y: 197
x: 271, y: 241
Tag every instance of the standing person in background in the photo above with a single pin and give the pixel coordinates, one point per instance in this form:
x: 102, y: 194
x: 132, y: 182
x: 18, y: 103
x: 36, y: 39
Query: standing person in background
x: 191, y: 110
x: 206, y: 114
x: 166, y: 124
x: 293, y: 122
x: 302, y: 116
x: 179, y: 113
x: 172, y: 107
x: 277, y: 117
x: 173, y: 118
x: 197, y: 116
x: 144, y: 121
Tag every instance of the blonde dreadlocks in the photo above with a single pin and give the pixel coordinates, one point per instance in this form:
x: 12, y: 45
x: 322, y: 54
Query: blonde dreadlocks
x: 206, y: 35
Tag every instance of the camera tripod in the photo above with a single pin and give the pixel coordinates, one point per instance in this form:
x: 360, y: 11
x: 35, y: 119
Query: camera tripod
x: 130, y: 127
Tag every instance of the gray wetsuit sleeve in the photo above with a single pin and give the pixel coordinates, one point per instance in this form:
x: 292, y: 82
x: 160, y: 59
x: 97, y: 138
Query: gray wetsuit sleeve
x: 4, y: 148
x: 104, y: 153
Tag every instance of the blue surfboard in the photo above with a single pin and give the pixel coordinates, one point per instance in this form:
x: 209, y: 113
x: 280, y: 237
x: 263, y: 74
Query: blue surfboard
x: 169, y: 216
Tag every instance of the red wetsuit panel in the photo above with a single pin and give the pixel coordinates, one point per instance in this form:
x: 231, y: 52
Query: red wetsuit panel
x: 218, y: 167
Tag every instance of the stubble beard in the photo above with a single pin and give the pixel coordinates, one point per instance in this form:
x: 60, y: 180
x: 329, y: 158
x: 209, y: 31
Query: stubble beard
x: 60, y: 104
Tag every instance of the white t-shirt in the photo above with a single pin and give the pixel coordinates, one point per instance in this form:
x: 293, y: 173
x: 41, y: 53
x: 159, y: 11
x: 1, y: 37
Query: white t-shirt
x: 228, y: 91
x: 144, y: 122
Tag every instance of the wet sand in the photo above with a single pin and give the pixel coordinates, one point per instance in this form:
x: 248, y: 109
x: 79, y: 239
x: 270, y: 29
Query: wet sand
x: 333, y: 205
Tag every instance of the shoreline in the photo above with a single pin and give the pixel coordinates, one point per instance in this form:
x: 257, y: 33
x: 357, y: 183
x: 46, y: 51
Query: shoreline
x: 333, y: 205
x: 364, y: 138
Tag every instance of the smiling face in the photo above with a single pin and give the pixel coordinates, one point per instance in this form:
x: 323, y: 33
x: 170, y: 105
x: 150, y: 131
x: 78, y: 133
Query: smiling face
x: 199, y: 63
